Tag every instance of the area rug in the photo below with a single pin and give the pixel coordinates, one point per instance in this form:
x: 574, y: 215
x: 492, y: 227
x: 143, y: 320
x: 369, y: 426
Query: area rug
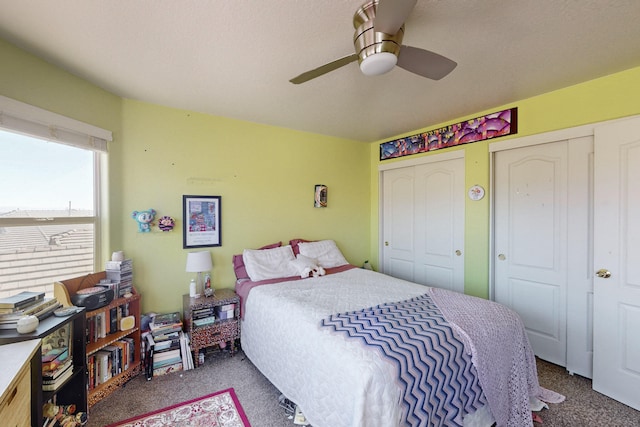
x: 221, y: 409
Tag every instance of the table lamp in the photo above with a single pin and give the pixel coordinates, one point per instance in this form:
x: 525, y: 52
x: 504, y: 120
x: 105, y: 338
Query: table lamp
x: 199, y: 262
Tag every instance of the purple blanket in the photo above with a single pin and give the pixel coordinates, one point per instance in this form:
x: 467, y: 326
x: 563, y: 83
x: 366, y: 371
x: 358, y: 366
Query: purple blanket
x: 501, y: 353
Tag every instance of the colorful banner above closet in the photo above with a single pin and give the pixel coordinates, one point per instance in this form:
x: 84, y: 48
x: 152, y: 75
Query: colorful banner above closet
x: 492, y: 125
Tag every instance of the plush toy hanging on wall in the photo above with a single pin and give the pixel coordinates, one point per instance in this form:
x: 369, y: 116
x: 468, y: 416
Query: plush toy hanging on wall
x: 144, y: 219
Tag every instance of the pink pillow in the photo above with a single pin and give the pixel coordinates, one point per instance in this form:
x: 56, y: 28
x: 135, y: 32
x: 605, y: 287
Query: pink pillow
x: 294, y: 245
x: 238, y: 262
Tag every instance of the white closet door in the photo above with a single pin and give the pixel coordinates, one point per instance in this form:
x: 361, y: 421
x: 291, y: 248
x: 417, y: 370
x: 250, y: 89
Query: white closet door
x: 440, y: 198
x: 398, y: 223
x: 616, y: 361
x: 531, y: 242
x: 423, y: 222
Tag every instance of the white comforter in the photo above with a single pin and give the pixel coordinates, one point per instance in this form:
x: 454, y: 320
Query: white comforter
x: 336, y: 382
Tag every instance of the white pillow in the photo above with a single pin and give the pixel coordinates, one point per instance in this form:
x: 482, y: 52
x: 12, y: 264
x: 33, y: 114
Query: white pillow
x: 263, y: 264
x: 325, y: 251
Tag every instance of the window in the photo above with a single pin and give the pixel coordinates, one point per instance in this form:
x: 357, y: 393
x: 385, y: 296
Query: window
x: 49, y: 192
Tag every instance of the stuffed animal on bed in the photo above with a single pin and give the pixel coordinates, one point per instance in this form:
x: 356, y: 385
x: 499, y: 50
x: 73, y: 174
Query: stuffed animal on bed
x: 307, y: 267
x: 144, y: 219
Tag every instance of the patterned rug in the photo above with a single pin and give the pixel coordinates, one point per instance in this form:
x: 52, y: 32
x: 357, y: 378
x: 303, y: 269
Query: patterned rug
x: 221, y: 409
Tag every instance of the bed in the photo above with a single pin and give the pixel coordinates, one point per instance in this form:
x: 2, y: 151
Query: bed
x: 311, y: 323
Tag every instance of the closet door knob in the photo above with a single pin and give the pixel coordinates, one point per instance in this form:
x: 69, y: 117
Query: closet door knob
x: 458, y: 252
x: 604, y: 273
x: 501, y: 257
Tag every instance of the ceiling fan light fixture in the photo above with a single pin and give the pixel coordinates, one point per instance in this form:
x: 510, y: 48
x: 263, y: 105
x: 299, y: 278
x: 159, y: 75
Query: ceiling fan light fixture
x: 378, y: 63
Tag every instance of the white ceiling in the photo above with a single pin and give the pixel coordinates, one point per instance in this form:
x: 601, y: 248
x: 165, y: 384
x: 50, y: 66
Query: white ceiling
x: 234, y: 58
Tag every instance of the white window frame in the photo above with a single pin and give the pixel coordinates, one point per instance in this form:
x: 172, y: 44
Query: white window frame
x: 25, y: 119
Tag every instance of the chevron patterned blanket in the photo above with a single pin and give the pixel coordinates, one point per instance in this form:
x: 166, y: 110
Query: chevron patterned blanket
x: 438, y: 380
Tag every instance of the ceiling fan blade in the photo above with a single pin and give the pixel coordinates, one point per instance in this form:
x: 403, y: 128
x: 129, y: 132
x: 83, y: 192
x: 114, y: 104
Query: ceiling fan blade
x: 391, y: 15
x: 324, y: 69
x: 425, y: 63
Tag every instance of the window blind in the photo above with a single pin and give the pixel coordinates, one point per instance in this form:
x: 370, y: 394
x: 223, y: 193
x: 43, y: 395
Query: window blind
x: 26, y: 119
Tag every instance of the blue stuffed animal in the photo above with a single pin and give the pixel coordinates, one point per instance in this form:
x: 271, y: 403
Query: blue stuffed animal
x: 144, y: 219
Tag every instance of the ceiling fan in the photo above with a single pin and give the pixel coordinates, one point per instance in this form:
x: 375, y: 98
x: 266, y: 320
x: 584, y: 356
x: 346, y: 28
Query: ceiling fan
x: 378, y: 44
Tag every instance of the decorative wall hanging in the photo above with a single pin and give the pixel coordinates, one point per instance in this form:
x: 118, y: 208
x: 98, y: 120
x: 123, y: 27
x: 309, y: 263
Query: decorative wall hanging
x: 201, y: 221
x: 144, y: 219
x: 476, y: 192
x: 492, y: 125
x: 166, y: 223
x: 320, y: 196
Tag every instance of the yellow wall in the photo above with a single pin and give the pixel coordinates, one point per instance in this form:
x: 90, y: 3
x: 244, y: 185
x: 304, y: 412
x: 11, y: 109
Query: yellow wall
x: 598, y: 100
x: 264, y: 174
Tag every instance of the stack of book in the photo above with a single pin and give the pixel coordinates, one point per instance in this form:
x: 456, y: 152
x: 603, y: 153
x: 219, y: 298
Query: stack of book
x: 25, y: 303
x: 165, y: 332
x: 53, y: 379
x: 120, y: 274
x: 57, y: 363
x: 203, y: 316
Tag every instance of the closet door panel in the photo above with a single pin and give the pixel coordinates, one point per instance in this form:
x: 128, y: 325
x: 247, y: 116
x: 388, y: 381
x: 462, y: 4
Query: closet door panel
x: 398, y: 226
x: 440, y: 212
x: 531, y: 242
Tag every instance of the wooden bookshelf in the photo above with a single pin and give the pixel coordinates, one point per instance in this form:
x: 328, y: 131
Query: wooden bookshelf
x: 130, y: 306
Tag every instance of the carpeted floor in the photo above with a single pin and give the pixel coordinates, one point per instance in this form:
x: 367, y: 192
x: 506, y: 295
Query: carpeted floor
x: 259, y: 398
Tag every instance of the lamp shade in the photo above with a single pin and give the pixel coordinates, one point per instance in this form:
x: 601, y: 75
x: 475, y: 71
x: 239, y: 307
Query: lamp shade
x: 198, y: 262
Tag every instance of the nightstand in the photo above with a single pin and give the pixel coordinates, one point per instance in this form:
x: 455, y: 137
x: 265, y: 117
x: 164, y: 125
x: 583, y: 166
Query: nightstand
x: 212, y: 320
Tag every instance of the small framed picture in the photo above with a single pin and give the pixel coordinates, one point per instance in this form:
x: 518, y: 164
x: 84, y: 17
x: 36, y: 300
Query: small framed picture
x: 320, y: 196
x: 201, y: 221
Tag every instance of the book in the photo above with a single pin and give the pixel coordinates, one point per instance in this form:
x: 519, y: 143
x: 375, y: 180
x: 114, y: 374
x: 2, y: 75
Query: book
x: 167, y: 336
x: 55, y: 353
x: 167, y: 362
x: 55, y: 373
x: 17, y: 313
x: 47, y: 311
x: 52, y: 385
x: 54, y: 361
x: 115, y: 359
x: 91, y: 367
x: 165, y: 319
x: 20, y: 300
x: 205, y: 321
x: 113, y: 320
x: 167, y: 344
x: 149, y: 345
x: 163, y: 370
x: 185, y: 351
x: 58, y: 339
x: 103, y: 370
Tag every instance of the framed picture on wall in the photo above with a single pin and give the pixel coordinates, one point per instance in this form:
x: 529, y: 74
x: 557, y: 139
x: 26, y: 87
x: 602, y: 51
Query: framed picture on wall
x: 201, y: 221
